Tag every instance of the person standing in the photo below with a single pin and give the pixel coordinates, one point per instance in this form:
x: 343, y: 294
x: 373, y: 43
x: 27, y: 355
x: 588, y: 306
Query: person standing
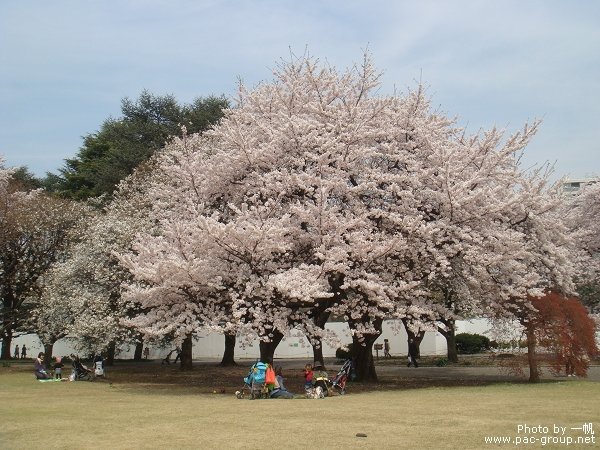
x: 23, y: 352
x: 58, y: 365
x: 386, y: 349
x: 146, y: 353
x: 167, y: 359
x: 177, y: 355
x: 16, y: 352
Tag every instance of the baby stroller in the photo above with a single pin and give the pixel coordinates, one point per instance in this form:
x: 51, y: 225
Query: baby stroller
x: 254, y: 383
x: 321, y: 383
x: 99, y: 366
x: 339, y: 381
x: 80, y: 372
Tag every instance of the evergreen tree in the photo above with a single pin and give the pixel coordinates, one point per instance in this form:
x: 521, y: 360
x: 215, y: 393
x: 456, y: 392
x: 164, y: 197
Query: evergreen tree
x: 110, y: 154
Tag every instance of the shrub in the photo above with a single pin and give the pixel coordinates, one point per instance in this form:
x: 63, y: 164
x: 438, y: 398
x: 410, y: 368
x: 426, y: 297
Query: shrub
x: 442, y: 362
x: 467, y: 343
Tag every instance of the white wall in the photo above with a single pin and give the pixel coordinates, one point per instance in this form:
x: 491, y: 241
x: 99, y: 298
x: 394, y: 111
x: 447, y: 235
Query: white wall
x: 212, y: 345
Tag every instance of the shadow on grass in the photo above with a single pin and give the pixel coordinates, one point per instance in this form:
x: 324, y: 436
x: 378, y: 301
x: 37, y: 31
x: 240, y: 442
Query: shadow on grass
x: 150, y: 377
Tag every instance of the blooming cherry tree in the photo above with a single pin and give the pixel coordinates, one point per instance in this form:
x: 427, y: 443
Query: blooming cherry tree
x: 35, y: 231
x: 317, y: 196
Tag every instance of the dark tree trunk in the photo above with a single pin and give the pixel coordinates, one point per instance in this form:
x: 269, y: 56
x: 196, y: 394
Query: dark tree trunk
x: 267, y: 349
x: 362, y: 352
x: 418, y: 338
x: 139, y: 349
x: 318, y: 354
x: 534, y: 375
x: 363, y: 358
x: 229, y: 353
x: 187, y: 347
x: 48, y: 347
x: 414, y: 341
x: 110, y: 354
x: 450, y: 335
x: 320, y: 318
x: 7, y: 337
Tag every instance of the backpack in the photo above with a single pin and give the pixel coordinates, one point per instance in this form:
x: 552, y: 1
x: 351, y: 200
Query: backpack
x: 270, y: 376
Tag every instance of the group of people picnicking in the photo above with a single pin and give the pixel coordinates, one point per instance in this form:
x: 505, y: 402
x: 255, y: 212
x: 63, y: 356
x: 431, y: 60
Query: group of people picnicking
x: 79, y: 370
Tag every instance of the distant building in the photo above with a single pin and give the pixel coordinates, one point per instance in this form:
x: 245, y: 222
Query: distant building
x: 572, y: 186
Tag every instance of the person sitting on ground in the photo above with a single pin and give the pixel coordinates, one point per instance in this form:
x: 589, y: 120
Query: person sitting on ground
x: 40, y: 368
x: 280, y: 391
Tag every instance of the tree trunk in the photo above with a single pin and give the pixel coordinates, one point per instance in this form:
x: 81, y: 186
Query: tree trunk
x: 362, y: 350
x: 187, y: 347
x: 110, y: 354
x: 450, y: 336
x: 320, y: 318
x: 267, y: 349
x: 414, y: 340
x: 6, y: 343
x: 139, y: 349
x: 534, y: 375
x: 318, y: 354
x: 363, y: 358
x: 48, y: 347
x: 229, y: 353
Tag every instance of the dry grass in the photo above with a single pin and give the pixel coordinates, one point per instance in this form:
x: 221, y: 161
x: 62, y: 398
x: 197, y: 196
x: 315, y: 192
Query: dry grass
x: 159, y: 407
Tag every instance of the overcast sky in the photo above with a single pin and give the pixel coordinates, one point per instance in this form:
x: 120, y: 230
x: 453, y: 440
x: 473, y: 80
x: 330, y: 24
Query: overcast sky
x: 66, y: 65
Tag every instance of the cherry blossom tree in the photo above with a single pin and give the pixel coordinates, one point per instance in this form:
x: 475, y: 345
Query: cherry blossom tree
x: 583, y: 211
x: 35, y: 231
x: 317, y: 195
x: 81, y: 296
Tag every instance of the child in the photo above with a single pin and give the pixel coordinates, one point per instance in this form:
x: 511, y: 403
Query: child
x: 308, y: 377
x: 58, y: 365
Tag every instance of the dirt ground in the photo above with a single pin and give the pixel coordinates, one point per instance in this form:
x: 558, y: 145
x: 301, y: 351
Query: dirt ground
x: 208, y: 376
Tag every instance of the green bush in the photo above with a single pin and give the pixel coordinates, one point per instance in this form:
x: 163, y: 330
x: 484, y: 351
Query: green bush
x: 442, y: 362
x: 467, y: 343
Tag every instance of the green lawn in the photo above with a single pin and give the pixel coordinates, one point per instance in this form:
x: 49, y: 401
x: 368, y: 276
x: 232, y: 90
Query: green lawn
x: 78, y: 415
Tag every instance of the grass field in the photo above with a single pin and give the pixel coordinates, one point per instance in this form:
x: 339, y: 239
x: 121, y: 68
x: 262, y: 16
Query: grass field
x: 142, y: 415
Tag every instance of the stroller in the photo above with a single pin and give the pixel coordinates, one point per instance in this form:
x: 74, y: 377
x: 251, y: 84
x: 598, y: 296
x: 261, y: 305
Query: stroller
x: 339, y: 382
x: 99, y: 366
x: 254, y: 383
x: 321, y: 383
x: 323, y: 386
x: 80, y: 372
